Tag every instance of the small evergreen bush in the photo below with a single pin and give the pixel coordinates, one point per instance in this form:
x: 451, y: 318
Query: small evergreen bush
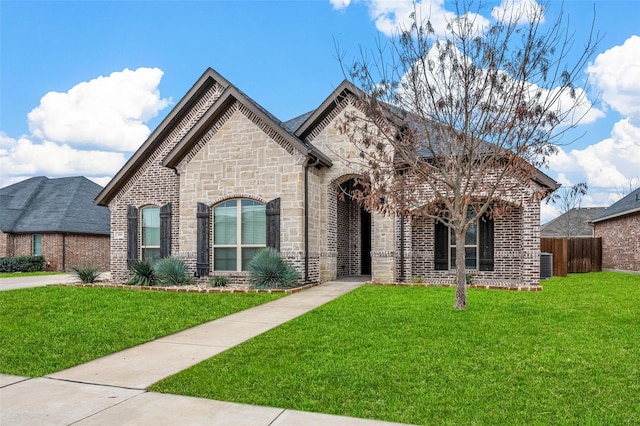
x: 87, y: 274
x: 268, y: 270
x: 142, y: 273
x: 171, y: 271
x: 218, y: 281
x: 22, y: 264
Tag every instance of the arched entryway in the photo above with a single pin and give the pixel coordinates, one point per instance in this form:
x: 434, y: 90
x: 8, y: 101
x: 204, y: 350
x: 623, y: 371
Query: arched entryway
x: 352, y: 236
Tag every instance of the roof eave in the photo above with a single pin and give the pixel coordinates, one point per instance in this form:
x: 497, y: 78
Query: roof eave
x: 229, y: 96
x: 208, y: 78
x: 343, y: 89
x: 616, y: 215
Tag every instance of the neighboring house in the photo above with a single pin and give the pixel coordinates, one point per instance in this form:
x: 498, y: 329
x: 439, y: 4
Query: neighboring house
x: 221, y: 178
x: 619, y: 227
x: 56, y: 219
x: 575, y: 223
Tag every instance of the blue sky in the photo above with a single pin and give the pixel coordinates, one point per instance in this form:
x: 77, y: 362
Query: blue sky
x: 62, y: 63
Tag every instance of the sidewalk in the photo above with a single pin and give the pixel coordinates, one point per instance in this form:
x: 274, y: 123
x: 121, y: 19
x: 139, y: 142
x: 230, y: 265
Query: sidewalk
x: 111, y: 390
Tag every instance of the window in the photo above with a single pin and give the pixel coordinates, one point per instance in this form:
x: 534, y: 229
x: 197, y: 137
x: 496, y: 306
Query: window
x: 470, y: 246
x: 478, y: 246
x: 150, y: 233
x: 37, y: 245
x: 239, y: 232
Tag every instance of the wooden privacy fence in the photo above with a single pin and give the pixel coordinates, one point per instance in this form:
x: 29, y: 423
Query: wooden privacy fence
x: 573, y: 255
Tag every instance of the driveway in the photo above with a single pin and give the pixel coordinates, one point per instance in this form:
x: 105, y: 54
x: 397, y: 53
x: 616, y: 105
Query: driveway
x: 40, y: 280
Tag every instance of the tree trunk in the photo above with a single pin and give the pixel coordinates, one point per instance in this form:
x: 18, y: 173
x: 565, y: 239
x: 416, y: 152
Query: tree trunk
x: 461, y: 276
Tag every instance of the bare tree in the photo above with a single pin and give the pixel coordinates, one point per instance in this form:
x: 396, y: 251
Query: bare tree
x: 454, y: 127
x: 569, y: 199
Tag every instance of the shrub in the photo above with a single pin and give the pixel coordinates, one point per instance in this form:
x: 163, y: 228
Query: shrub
x: 268, y: 270
x: 22, y: 264
x: 87, y: 274
x: 171, y: 271
x: 218, y: 281
x: 142, y: 273
x: 417, y: 280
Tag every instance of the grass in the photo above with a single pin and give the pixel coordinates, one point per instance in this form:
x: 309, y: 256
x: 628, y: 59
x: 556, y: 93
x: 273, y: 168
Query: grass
x: 567, y: 355
x: 28, y: 274
x: 47, y: 329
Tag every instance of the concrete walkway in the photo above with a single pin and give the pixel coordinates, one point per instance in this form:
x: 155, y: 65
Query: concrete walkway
x: 111, y: 390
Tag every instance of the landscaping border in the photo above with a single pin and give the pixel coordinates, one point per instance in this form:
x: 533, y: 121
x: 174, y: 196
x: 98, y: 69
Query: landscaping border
x: 187, y: 289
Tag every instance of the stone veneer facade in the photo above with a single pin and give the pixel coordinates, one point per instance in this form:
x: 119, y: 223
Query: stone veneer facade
x: 240, y: 156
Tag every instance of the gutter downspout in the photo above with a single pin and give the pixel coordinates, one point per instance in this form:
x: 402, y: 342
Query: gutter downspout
x: 306, y: 216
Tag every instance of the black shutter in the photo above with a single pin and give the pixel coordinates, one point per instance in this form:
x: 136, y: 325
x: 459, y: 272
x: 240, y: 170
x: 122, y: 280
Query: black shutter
x: 132, y: 234
x: 165, y: 230
x: 273, y: 224
x: 203, y: 240
x: 441, y: 247
x: 485, y: 227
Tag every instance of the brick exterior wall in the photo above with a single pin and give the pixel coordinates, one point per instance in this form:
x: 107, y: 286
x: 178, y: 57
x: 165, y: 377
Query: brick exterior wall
x: 239, y: 156
x: 620, y: 242
x: 154, y: 185
x: 61, y: 251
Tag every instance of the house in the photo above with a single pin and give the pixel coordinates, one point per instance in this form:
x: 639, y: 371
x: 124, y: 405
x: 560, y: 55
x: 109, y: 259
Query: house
x: 221, y: 178
x: 575, y: 223
x: 56, y: 219
x: 619, y: 227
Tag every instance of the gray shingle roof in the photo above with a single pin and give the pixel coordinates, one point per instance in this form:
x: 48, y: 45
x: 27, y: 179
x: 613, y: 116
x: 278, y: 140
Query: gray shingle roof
x: 627, y: 205
x: 575, y: 222
x: 43, y: 205
x: 295, y: 123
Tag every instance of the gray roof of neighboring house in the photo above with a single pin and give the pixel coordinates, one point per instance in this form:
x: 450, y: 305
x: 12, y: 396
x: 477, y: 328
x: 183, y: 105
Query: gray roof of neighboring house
x: 62, y: 205
x: 574, y: 223
x: 627, y: 205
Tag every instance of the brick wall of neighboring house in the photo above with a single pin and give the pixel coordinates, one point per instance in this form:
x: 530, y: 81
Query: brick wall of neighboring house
x: 6, y: 245
x: 62, y: 251
x: 620, y: 242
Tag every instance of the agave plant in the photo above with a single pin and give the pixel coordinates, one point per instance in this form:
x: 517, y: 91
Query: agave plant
x: 171, y: 271
x: 142, y: 273
x: 268, y: 270
x: 86, y: 274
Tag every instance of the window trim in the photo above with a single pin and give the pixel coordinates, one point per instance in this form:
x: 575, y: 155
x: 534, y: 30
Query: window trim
x: 476, y: 246
x: 144, y: 247
x: 239, y: 246
x: 38, y: 245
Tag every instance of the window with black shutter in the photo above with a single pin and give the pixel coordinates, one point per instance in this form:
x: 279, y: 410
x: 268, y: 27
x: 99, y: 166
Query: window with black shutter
x: 202, y: 240
x: 132, y: 234
x: 273, y: 224
x: 478, y: 246
x: 165, y: 230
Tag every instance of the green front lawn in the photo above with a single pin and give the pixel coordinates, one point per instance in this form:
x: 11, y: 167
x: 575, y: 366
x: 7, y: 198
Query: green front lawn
x: 567, y: 355
x: 47, y: 329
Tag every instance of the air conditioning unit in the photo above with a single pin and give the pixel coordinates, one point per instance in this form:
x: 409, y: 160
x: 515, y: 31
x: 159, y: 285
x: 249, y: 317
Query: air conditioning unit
x: 546, y: 265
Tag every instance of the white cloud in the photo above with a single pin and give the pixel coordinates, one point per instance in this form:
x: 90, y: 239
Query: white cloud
x: 24, y: 158
x: 523, y: 11
x: 548, y: 211
x: 615, y: 72
x: 609, y: 167
x: 340, y: 4
x: 393, y: 16
x: 106, y: 112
